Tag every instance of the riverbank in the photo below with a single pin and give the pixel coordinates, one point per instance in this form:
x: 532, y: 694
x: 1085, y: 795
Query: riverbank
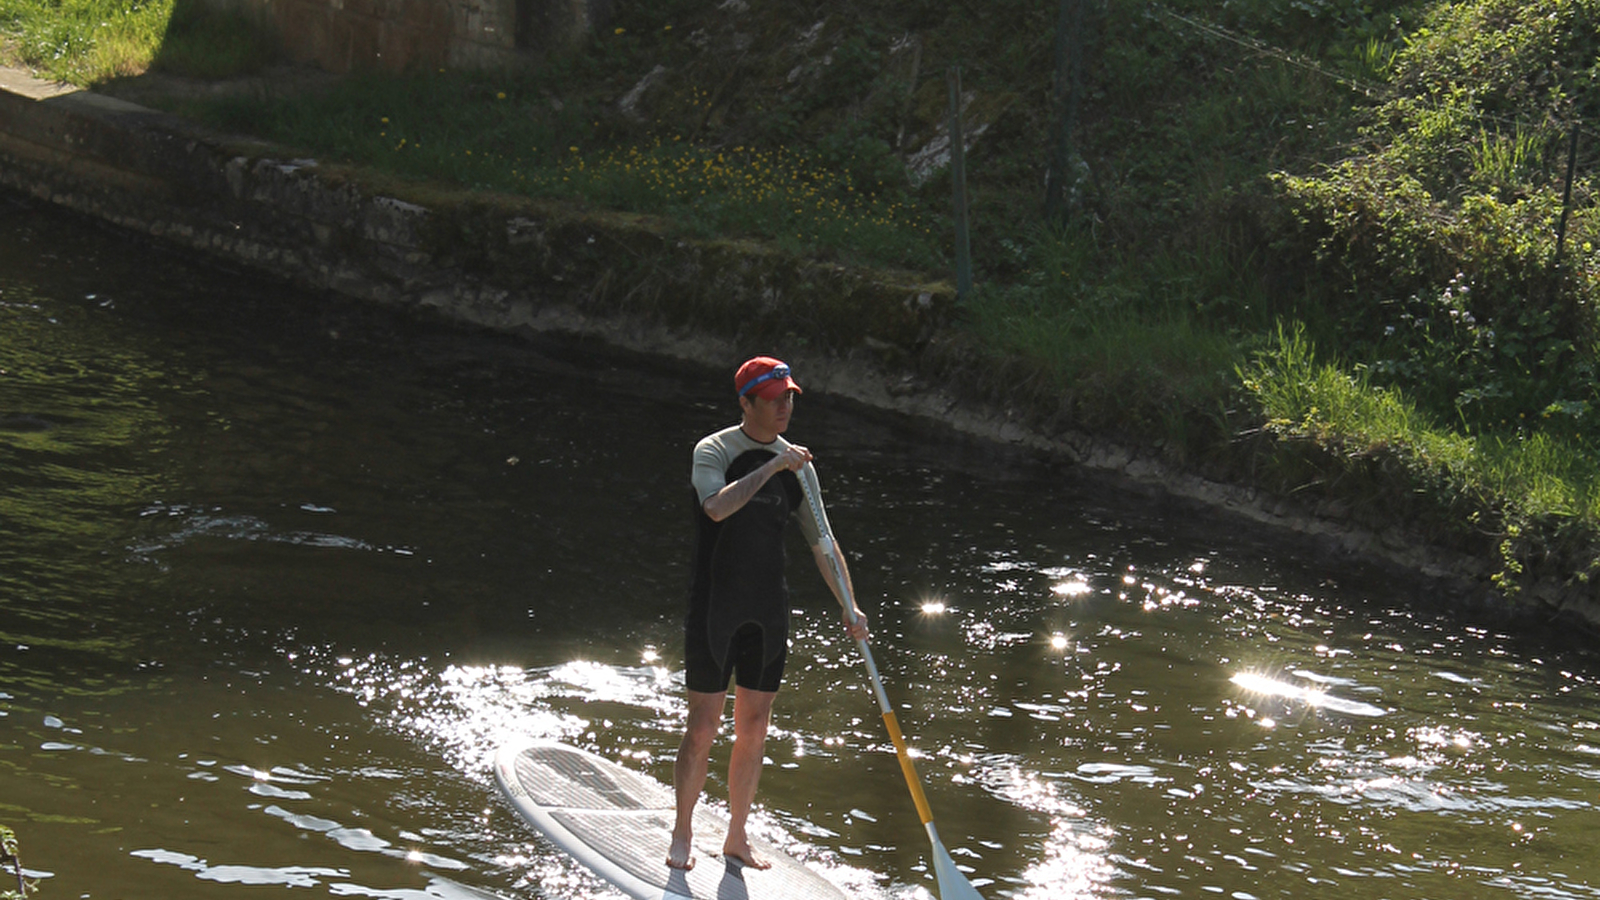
x: 521, y: 265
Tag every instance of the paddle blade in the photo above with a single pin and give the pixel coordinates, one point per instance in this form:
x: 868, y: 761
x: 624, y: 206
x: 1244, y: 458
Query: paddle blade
x: 952, y: 884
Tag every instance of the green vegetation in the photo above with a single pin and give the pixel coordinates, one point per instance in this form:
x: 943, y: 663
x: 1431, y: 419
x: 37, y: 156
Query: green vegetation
x: 1539, y: 486
x: 11, y: 867
x: 1333, y: 224
x: 507, y: 134
x: 83, y: 41
x: 89, y: 41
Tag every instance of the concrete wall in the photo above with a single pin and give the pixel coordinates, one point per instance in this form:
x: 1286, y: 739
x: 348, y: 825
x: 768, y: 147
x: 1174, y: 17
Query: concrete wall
x: 393, y: 35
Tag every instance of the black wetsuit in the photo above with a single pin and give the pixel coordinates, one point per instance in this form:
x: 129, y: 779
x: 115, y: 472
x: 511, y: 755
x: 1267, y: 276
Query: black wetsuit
x: 738, y: 621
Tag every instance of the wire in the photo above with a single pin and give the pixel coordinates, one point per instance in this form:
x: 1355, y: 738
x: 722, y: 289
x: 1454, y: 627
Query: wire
x: 1277, y: 53
x: 1367, y: 89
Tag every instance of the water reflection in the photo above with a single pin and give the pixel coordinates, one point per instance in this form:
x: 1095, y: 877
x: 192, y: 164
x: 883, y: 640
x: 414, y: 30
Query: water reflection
x: 465, y: 713
x: 1314, y: 697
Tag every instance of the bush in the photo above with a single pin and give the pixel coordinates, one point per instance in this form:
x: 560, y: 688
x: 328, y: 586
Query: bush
x: 1435, y: 249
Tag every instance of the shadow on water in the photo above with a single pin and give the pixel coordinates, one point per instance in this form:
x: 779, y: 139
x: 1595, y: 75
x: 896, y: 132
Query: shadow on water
x: 279, y: 573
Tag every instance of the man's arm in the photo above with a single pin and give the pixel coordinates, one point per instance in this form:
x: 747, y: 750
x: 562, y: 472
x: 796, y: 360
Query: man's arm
x: 734, y: 495
x: 856, y: 624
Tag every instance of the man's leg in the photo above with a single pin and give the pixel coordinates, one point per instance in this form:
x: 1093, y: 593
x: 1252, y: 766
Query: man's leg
x: 752, y: 711
x: 689, y: 772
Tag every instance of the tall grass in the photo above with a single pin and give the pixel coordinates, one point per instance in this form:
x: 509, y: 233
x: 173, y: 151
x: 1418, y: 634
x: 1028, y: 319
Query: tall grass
x: 11, y: 865
x: 1535, y: 475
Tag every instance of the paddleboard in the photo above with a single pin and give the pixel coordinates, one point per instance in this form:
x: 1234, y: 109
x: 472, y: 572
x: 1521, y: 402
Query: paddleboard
x: 618, y: 823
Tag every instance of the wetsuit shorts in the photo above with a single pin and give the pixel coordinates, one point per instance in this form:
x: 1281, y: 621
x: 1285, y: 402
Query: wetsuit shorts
x: 744, y: 662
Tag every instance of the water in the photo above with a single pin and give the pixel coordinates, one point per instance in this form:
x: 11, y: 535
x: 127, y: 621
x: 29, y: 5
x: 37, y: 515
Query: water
x: 278, y: 573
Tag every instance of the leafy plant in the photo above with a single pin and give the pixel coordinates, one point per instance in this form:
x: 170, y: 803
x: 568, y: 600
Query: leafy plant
x: 11, y: 860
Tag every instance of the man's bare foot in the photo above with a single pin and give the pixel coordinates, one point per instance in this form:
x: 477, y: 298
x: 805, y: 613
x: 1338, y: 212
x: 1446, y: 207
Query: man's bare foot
x: 681, y: 854
x: 746, y: 857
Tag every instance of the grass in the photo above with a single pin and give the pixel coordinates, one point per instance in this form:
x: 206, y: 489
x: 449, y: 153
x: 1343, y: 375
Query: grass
x: 502, y: 132
x: 1304, y: 398
x: 85, y: 42
x: 201, y: 42
x: 1536, y: 476
x: 774, y: 193
x: 1129, y: 352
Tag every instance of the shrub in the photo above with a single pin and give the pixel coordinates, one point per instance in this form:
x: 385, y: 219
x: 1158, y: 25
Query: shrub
x: 1435, y: 249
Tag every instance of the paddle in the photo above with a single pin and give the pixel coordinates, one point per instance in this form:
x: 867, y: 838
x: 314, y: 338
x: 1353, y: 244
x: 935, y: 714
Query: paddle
x: 952, y: 884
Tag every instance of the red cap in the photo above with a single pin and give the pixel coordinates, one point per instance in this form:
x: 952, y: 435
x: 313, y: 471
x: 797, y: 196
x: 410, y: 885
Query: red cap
x: 764, y: 377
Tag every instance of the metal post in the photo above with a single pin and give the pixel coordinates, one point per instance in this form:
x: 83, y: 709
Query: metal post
x: 1566, y: 195
x: 1069, y: 74
x: 958, y: 180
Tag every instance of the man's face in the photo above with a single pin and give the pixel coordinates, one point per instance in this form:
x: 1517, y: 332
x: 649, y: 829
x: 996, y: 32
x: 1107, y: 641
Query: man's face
x: 763, y: 416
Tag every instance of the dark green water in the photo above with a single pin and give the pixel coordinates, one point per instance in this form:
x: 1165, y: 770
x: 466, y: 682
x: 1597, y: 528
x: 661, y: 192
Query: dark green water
x: 279, y: 573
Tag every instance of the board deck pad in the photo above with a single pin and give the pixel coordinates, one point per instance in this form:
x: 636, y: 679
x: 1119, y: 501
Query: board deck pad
x: 618, y: 822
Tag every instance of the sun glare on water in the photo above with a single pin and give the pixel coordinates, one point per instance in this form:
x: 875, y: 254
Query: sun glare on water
x: 1315, y: 697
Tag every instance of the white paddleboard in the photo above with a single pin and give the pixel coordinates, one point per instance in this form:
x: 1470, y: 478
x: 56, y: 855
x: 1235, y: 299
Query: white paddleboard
x: 618, y: 822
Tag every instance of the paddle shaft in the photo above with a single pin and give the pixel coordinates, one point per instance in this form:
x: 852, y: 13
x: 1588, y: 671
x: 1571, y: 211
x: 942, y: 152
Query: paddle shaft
x: 952, y: 884
x: 808, y: 481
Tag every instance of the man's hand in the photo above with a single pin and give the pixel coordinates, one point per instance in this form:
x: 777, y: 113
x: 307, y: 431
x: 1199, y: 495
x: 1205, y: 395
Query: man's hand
x: 857, y: 628
x: 793, y: 458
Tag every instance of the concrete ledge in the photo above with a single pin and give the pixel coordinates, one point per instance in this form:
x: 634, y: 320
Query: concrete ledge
x: 14, y: 81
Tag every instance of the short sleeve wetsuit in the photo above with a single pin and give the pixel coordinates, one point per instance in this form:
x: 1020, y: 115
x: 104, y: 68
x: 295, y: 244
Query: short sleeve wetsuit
x: 738, y: 621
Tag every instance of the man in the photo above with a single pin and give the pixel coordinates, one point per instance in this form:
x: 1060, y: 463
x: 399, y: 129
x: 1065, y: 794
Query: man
x: 737, y: 628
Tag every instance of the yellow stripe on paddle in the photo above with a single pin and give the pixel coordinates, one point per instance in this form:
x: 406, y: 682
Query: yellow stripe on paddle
x: 908, y: 768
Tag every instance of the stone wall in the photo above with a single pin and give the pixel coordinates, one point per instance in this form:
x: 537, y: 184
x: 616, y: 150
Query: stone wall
x: 393, y: 35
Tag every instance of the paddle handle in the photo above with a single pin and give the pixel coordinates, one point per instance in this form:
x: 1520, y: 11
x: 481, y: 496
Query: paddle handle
x: 813, y: 492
